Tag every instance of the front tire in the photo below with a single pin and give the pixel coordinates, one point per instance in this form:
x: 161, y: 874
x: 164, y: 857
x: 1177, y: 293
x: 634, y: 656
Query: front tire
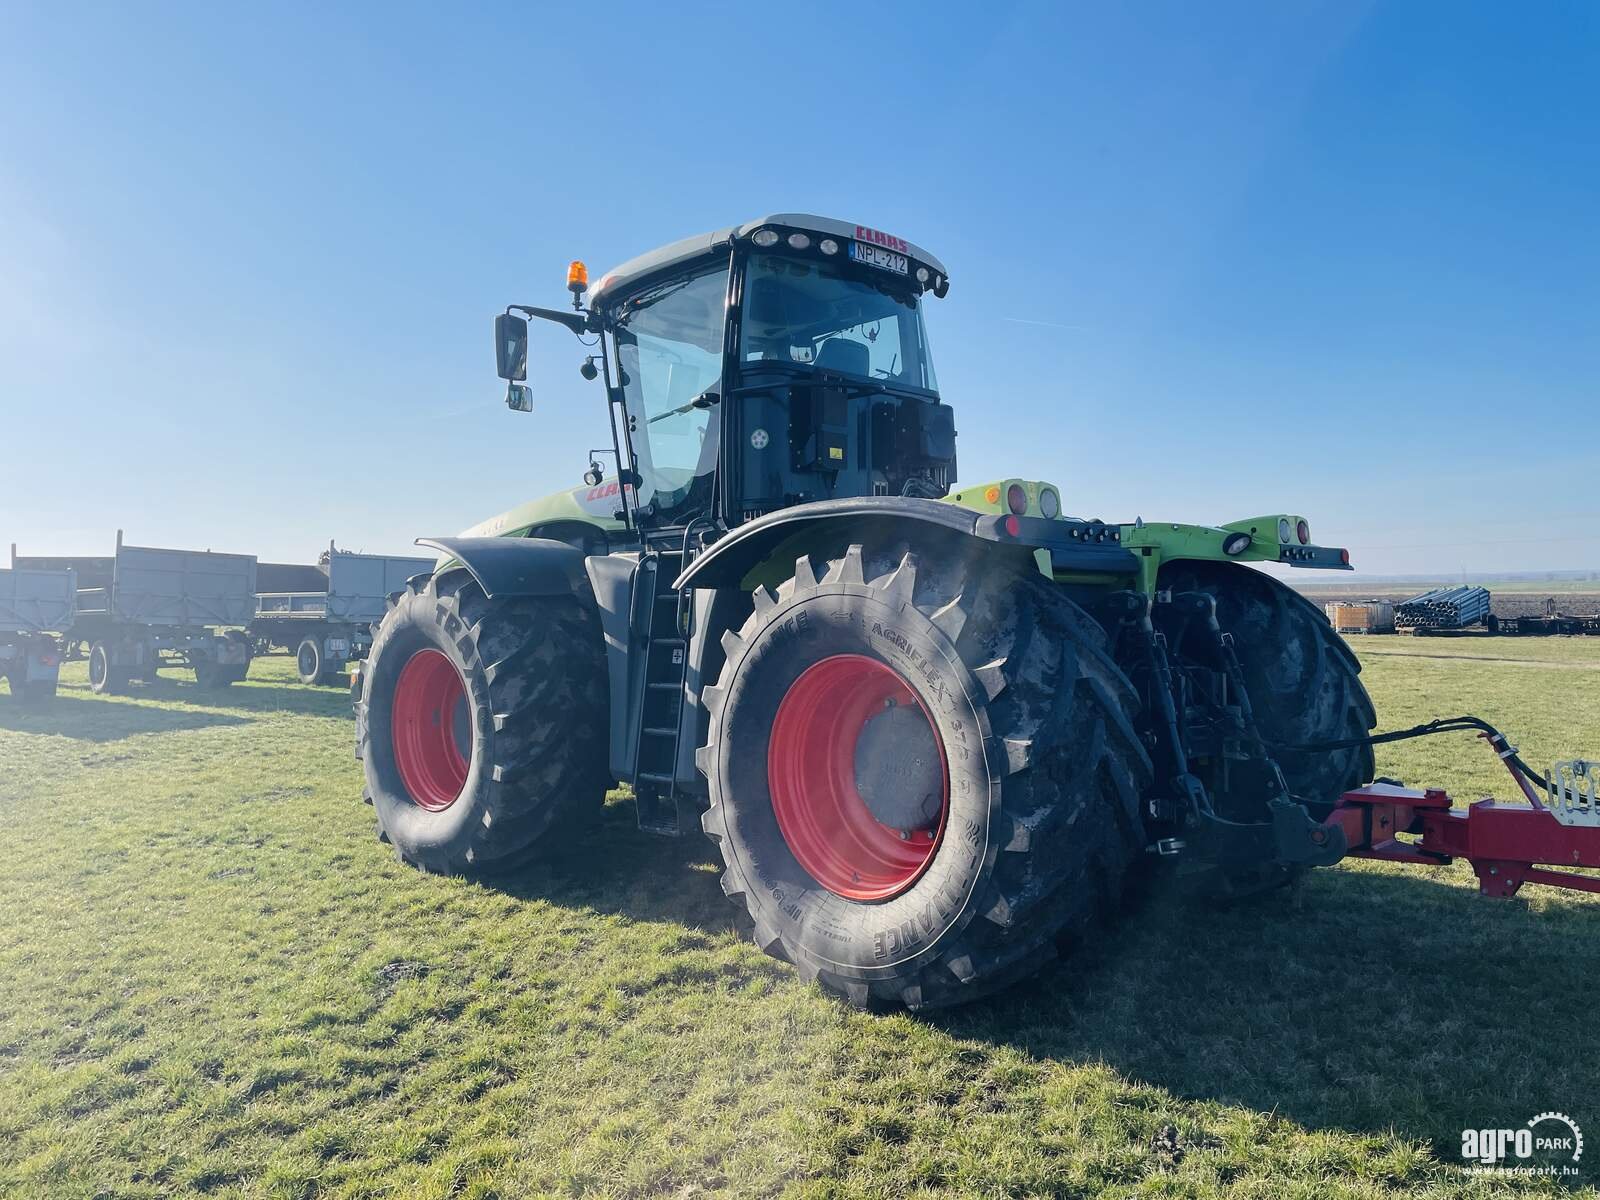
x: 969, y: 703
x: 480, y: 721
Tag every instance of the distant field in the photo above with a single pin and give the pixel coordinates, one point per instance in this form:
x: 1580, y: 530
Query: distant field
x: 1513, y: 598
x: 214, y: 980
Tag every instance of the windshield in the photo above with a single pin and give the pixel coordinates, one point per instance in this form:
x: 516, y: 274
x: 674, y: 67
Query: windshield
x: 853, y: 320
x: 669, y: 348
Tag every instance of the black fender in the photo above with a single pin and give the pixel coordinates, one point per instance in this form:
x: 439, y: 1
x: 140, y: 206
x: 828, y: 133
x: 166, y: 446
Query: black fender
x: 510, y: 566
x: 733, y: 557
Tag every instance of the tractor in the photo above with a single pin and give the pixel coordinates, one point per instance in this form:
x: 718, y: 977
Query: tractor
x: 935, y: 731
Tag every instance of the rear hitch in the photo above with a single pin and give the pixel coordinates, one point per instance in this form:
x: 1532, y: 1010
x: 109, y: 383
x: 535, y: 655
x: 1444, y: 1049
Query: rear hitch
x: 1290, y: 838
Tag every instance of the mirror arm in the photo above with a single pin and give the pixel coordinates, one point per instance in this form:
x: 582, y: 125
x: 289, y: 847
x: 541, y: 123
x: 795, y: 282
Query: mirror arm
x: 577, y: 322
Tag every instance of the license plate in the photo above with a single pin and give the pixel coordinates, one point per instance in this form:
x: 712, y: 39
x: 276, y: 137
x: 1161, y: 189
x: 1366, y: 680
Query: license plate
x: 877, y: 256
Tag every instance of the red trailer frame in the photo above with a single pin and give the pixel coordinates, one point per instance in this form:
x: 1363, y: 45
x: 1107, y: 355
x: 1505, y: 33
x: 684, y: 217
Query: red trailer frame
x: 1507, y: 843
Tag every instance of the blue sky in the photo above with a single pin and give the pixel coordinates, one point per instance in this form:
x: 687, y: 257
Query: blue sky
x: 1207, y: 260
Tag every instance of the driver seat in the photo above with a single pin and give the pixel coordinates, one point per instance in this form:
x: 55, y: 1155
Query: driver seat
x: 844, y: 356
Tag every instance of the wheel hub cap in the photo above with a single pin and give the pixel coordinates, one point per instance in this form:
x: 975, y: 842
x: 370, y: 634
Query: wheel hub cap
x: 859, y: 782
x: 432, y: 730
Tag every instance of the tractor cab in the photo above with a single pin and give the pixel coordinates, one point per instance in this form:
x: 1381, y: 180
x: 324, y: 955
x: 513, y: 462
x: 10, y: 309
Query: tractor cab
x: 765, y: 365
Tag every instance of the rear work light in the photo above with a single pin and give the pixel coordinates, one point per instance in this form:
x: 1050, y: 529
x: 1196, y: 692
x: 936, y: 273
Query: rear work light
x: 1303, y: 532
x: 1235, y: 543
x: 765, y: 238
x: 1017, y: 499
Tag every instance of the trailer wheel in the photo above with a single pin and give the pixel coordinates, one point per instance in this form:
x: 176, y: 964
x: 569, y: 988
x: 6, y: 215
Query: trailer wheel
x: 1304, y: 681
x: 480, y: 721
x: 213, y: 676
x: 105, y: 676
x: 923, y: 773
x: 310, y: 665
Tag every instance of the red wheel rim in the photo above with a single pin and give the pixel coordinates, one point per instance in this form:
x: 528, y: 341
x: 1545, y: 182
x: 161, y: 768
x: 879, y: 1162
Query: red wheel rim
x: 431, y: 731
x: 813, y: 762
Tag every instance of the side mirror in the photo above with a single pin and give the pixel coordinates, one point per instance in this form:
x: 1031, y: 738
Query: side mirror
x: 519, y: 397
x: 511, y: 346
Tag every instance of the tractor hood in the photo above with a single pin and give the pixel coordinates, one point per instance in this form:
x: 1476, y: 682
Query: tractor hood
x: 595, y: 505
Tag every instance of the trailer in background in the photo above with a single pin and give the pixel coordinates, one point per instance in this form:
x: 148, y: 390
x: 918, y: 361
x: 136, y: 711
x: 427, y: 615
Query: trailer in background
x: 35, y: 605
x: 329, y: 627
x: 1552, y: 625
x: 164, y: 608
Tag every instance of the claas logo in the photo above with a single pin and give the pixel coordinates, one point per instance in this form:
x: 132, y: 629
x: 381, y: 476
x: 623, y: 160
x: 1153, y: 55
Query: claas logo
x: 886, y: 240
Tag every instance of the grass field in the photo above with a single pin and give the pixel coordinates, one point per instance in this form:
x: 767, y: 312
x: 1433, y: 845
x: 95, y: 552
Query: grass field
x: 214, y: 980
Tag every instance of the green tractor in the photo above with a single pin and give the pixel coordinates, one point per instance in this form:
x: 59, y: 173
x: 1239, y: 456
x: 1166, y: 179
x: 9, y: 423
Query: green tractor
x: 933, y: 730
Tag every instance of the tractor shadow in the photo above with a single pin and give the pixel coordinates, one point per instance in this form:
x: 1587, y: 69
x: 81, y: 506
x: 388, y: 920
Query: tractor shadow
x: 609, y: 866
x: 1373, y: 1003
x: 1360, y: 1001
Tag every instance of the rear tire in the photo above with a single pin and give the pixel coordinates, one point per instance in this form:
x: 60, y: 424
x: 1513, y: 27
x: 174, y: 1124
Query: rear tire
x: 1304, y: 681
x: 1037, y: 762
x: 481, y: 721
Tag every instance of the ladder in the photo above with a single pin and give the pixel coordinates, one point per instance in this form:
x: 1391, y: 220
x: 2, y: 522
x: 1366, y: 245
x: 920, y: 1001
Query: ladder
x: 661, y: 703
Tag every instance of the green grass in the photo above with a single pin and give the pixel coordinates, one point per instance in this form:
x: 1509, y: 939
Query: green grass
x: 214, y: 980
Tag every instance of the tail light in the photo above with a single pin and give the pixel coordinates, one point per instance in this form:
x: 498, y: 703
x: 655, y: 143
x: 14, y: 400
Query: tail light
x: 1303, y: 532
x: 1017, y: 499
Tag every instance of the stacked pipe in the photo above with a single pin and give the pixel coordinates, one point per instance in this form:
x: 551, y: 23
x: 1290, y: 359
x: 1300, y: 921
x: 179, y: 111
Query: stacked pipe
x: 1445, y: 608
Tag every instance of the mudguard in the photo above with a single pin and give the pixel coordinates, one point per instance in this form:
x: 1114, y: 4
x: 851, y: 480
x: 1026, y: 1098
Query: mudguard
x: 509, y: 566
x: 730, y: 559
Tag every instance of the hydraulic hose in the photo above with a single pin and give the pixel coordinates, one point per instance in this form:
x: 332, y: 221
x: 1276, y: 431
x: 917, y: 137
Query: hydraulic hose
x: 1442, y: 725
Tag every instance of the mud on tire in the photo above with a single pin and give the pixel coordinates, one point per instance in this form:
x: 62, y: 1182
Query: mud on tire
x: 527, y: 720
x: 1043, y: 773
x: 1304, y: 682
